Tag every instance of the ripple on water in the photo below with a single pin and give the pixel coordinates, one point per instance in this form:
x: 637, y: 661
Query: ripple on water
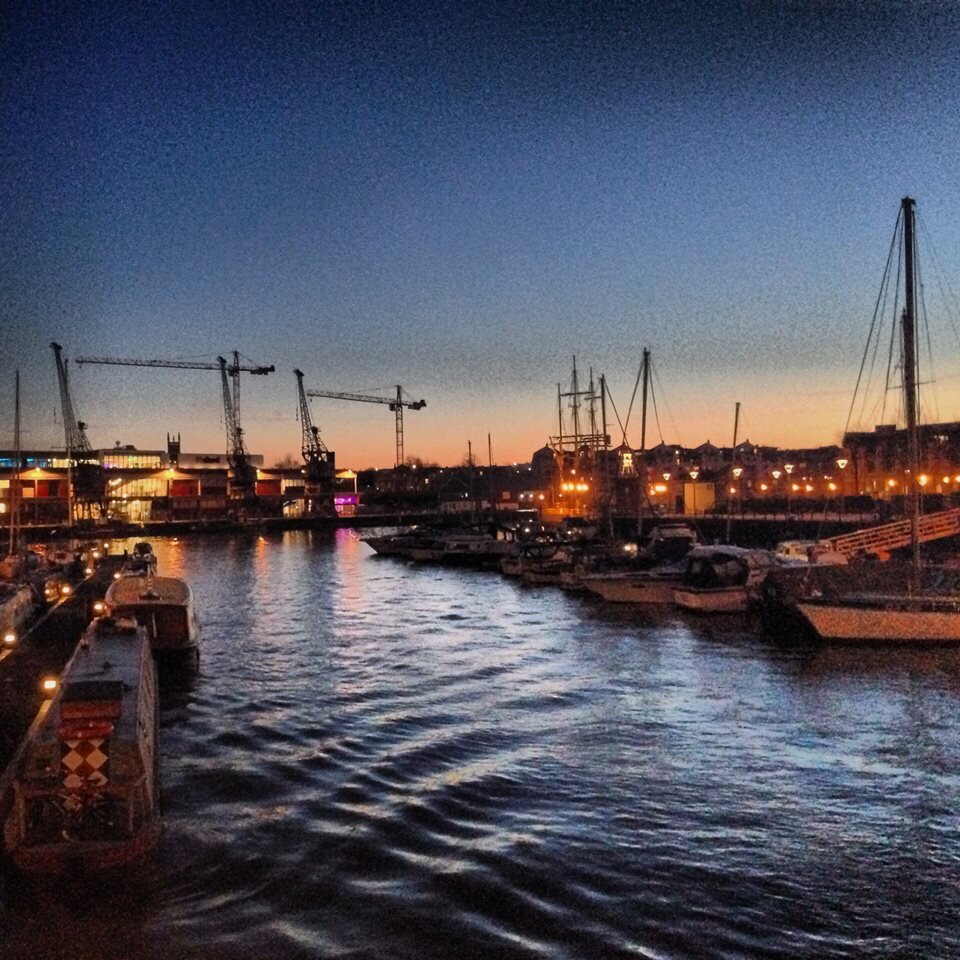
x: 379, y: 760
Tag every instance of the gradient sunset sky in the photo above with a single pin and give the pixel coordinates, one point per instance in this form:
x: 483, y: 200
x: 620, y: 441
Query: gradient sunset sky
x: 460, y: 197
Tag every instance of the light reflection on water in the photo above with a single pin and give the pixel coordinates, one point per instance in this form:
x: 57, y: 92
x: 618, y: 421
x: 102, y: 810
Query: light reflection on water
x: 380, y: 759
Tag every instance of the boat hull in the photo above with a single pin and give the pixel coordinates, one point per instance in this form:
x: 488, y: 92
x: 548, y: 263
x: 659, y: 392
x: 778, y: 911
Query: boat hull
x: 16, y: 607
x: 887, y: 623
x: 61, y: 858
x: 712, y: 599
x: 652, y: 590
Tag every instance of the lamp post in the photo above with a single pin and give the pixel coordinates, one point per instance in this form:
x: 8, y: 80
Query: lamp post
x: 841, y: 464
x: 666, y: 480
x: 694, y: 473
x: 788, y: 467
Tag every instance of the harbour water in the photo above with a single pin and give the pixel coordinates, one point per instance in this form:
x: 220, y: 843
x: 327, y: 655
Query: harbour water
x: 384, y: 760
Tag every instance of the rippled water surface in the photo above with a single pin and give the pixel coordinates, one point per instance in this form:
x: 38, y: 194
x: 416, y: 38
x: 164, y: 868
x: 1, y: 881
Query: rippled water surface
x: 380, y: 759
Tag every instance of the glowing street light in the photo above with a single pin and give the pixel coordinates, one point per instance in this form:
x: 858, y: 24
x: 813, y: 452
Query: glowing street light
x: 841, y: 463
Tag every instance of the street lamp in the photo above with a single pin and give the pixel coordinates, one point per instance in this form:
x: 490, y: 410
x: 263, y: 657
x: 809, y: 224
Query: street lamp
x: 694, y: 473
x: 841, y: 463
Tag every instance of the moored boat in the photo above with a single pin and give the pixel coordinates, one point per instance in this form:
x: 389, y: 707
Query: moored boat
x: 909, y: 614
x: 722, y: 578
x: 85, y: 790
x: 16, y: 609
x: 141, y: 562
x: 164, y: 606
x: 654, y: 586
x: 884, y: 618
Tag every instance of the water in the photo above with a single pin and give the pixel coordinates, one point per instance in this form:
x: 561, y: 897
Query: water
x: 386, y: 760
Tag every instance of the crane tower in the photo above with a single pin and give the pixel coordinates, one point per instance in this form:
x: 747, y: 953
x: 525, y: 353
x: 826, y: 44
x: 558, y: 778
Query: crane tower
x: 320, y: 462
x: 86, y: 474
x: 244, y: 475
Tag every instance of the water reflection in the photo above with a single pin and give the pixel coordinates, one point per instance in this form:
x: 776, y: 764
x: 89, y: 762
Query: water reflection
x: 379, y: 759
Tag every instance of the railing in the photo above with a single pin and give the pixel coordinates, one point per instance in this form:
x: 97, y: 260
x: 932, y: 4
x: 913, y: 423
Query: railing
x: 889, y: 536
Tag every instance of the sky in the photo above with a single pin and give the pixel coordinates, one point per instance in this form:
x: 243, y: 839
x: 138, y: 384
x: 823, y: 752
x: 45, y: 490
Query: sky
x: 460, y: 198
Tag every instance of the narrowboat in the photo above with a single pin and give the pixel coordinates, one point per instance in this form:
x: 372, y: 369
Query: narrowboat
x: 85, y: 792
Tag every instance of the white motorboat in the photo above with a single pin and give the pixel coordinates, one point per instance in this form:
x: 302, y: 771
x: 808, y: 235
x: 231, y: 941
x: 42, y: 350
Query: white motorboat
x: 164, y: 605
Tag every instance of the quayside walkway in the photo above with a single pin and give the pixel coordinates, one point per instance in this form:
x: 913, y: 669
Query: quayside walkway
x: 43, y: 650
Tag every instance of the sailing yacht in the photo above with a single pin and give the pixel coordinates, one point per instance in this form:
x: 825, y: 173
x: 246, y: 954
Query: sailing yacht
x: 907, y: 615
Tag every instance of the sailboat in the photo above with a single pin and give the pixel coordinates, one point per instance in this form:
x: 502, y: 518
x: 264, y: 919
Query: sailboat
x: 660, y: 561
x: 910, y: 615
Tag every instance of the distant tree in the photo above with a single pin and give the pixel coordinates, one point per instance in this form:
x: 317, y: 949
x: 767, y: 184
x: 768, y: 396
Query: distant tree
x: 418, y: 463
x: 286, y: 462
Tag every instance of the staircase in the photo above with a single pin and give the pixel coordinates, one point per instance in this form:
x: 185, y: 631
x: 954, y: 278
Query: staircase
x: 889, y: 536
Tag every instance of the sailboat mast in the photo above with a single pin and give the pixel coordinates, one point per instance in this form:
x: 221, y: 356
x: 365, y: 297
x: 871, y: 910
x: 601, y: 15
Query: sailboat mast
x: 15, y: 484
x: 910, y: 374
x: 733, y: 458
x: 642, y: 468
x: 643, y: 405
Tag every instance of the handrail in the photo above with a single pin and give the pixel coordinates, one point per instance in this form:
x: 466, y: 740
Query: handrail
x: 889, y: 536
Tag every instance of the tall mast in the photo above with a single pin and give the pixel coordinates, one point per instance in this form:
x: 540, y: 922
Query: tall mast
x: 607, y: 485
x: 733, y: 457
x: 642, y: 468
x: 15, y: 483
x: 910, y: 373
x: 643, y: 405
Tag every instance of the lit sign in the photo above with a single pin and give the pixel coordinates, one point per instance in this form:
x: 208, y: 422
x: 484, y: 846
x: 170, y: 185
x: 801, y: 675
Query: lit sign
x: 346, y: 499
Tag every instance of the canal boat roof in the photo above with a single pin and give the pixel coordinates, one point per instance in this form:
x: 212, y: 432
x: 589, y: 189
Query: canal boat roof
x: 154, y: 591
x: 103, y: 680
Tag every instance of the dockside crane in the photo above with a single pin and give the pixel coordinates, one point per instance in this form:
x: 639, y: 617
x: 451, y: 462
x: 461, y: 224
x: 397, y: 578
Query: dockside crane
x: 396, y: 404
x: 319, y: 461
x: 86, y: 475
x: 244, y: 475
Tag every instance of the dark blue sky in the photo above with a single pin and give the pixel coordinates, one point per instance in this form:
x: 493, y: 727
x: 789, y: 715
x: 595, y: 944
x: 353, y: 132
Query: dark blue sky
x: 460, y: 197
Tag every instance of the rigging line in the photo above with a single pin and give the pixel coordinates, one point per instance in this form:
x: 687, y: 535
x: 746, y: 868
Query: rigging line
x: 881, y: 405
x: 949, y: 297
x: 616, y: 413
x: 633, y: 395
x: 656, y: 411
x: 932, y: 379
x: 892, y: 353
x: 873, y: 322
x: 670, y: 416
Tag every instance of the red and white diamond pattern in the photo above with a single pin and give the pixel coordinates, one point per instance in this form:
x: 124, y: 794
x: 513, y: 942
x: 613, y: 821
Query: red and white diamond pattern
x: 85, y: 763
